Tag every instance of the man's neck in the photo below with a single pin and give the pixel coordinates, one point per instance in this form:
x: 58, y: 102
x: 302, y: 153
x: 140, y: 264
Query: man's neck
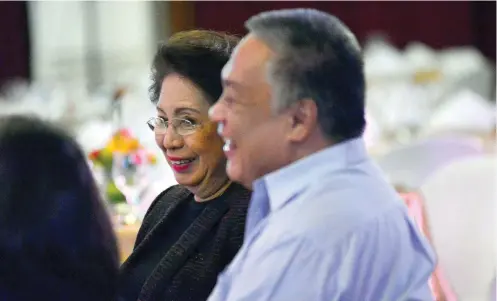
x: 312, y: 145
x: 298, y: 152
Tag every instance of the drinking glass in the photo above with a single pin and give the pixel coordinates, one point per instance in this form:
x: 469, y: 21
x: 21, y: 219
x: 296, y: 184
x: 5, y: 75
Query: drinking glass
x: 130, y: 175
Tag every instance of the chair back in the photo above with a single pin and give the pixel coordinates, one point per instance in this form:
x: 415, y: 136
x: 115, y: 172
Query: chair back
x: 460, y: 202
x: 411, y: 165
x: 439, y: 285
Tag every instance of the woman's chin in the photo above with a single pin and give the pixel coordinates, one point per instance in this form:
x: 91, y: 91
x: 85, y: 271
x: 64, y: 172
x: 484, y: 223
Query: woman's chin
x: 191, y: 178
x: 184, y: 179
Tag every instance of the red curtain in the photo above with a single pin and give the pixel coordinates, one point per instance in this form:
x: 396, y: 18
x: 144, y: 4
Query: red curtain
x: 438, y: 24
x: 14, y: 41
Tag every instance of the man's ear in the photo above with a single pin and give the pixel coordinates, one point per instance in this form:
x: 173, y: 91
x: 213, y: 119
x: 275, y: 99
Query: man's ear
x: 303, y: 120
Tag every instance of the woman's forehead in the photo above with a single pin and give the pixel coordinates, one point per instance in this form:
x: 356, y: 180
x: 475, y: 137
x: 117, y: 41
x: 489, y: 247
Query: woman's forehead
x: 180, y: 94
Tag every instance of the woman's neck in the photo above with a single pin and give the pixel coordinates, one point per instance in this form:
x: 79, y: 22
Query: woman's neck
x: 215, y: 194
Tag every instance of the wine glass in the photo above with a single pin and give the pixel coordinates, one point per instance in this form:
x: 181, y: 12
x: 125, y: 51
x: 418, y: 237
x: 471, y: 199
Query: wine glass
x: 130, y: 173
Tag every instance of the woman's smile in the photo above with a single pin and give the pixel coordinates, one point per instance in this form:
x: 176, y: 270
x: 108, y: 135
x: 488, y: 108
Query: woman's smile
x: 181, y: 165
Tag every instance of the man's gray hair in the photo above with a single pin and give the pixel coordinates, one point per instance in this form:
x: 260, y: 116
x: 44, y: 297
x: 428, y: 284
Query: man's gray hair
x: 317, y: 57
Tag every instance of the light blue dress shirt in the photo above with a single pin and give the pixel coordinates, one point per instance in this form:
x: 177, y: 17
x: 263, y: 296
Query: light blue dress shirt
x: 326, y: 228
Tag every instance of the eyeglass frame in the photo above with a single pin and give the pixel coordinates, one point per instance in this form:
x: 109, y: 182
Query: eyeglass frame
x: 169, y: 122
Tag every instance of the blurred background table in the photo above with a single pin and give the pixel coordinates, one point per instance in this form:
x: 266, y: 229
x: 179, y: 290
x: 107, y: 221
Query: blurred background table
x: 126, y: 235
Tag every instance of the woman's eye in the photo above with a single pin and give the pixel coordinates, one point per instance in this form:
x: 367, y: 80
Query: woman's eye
x: 190, y: 120
x: 162, y: 121
x: 187, y: 123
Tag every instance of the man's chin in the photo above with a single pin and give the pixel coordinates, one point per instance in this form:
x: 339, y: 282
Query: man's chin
x: 234, y: 172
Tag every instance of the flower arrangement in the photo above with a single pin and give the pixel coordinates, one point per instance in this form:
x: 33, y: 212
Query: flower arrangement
x: 121, y: 142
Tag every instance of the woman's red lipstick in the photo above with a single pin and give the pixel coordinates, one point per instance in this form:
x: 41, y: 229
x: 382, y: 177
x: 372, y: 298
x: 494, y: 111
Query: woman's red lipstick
x: 179, y: 164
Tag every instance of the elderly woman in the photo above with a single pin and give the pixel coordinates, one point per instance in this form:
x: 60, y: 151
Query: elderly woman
x: 194, y: 229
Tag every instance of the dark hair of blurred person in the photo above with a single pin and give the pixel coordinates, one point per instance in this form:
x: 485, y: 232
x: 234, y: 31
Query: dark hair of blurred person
x: 194, y: 229
x: 56, y: 239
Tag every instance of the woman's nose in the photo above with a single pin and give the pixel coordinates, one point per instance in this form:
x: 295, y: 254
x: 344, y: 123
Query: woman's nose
x: 171, y: 139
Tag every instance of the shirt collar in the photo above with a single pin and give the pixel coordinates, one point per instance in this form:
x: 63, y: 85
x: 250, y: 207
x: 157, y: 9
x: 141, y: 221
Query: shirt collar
x: 286, y: 182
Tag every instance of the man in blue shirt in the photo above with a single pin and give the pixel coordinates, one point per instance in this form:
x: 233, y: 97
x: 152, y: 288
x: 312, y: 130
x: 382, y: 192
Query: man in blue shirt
x: 323, y: 223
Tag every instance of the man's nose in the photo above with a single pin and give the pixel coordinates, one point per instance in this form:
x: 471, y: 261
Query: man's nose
x: 214, y: 112
x: 215, y: 115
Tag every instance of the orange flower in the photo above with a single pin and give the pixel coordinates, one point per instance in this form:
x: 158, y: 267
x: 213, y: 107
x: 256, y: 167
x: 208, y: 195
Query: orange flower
x: 122, y: 141
x: 152, y: 159
x: 94, y: 155
x: 133, y: 144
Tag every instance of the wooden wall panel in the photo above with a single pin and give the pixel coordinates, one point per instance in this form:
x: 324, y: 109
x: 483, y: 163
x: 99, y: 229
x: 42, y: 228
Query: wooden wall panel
x: 14, y: 41
x: 438, y: 24
x: 182, y: 15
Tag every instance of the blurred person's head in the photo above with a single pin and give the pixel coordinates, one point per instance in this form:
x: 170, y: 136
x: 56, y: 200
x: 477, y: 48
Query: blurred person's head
x: 186, y: 76
x: 56, y: 239
x: 294, y: 85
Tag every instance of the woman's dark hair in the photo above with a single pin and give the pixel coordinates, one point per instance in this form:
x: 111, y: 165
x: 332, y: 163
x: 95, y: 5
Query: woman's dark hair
x: 56, y: 238
x: 198, y: 55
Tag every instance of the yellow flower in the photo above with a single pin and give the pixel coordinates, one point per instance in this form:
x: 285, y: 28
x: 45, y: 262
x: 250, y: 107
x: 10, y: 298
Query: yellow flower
x: 133, y: 144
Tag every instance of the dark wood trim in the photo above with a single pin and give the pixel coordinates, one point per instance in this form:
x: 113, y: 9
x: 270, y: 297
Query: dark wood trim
x: 182, y: 15
x: 15, y: 46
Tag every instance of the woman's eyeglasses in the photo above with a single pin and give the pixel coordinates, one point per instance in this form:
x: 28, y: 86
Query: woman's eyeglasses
x: 181, y: 126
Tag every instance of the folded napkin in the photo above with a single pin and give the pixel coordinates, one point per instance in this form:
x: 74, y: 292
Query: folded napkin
x: 421, y: 57
x: 382, y: 60
x: 464, y: 111
x: 94, y: 134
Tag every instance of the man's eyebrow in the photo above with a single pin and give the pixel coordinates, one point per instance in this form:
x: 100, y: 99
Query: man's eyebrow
x: 231, y: 83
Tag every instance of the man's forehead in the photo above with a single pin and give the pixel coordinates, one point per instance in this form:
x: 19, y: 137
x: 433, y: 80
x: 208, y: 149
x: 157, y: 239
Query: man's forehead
x: 248, y: 59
